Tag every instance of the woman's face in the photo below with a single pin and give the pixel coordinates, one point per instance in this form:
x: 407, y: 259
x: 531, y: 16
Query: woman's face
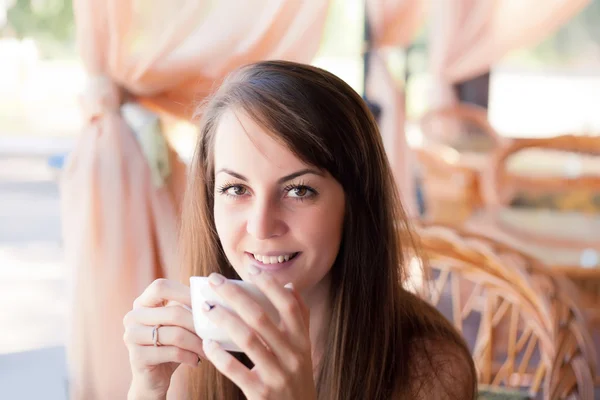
x: 271, y: 209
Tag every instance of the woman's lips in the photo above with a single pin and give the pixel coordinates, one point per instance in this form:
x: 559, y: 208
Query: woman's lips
x: 273, y: 267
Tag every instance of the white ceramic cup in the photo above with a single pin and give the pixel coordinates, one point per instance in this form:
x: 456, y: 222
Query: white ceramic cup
x: 202, y: 292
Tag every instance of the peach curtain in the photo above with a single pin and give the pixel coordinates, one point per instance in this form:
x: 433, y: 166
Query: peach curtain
x: 394, y: 23
x: 468, y: 36
x: 122, y: 185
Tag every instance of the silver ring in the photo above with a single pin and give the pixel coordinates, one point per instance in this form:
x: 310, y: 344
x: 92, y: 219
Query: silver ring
x: 155, y: 341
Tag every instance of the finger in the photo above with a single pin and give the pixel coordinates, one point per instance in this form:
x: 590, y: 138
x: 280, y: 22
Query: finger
x: 176, y: 303
x: 303, y: 307
x: 161, y: 291
x: 242, y: 335
x: 230, y: 367
x: 289, y: 306
x: 167, y: 336
x: 170, y: 315
x: 252, y: 314
x: 148, y: 356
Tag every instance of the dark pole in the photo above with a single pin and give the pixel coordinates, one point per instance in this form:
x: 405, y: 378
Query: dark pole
x: 366, y: 49
x: 407, y: 71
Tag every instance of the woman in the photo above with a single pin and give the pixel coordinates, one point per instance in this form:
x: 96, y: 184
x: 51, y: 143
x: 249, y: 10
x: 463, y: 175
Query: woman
x: 290, y: 186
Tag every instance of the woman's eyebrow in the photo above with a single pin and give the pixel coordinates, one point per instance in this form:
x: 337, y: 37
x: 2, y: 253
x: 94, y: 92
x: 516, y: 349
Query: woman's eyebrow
x: 281, y: 180
x: 300, y: 173
x: 234, y: 174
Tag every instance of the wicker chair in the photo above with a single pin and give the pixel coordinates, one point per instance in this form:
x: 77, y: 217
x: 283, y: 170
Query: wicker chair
x: 458, y: 141
x: 571, y: 186
x: 554, y: 216
x: 451, y: 185
x: 542, y: 196
x: 463, y: 126
x: 522, y: 322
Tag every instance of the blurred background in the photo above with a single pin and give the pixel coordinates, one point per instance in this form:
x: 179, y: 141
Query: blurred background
x: 538, y: 91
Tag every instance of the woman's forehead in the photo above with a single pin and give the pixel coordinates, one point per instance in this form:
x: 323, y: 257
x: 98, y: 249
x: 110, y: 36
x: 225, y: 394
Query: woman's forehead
x: 242, y: 144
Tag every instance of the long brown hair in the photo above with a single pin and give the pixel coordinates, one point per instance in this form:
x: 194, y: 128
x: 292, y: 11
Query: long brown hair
x: 374, y: 322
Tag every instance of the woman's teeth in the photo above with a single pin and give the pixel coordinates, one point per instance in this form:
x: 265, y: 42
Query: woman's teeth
x: 273, y: 259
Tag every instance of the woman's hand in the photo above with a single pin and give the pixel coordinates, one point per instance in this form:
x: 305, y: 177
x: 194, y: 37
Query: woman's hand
x: 281, y: 353
x: 165, y: 305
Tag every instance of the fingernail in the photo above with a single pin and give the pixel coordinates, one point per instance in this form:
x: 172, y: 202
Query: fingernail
x: 206, y: 306
x: 216, y: 279
x: 253, y: 270
x: 289, y: 286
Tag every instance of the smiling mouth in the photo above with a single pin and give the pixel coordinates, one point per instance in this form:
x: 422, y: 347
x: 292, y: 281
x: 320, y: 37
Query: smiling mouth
x: 280, y: 259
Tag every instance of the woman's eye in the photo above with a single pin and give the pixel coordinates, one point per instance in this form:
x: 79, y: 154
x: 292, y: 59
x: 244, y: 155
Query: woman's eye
x: 236, y: 191
x: 299, y: 192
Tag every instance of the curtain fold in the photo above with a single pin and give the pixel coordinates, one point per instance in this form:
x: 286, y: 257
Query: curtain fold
x: 122, y: 185
x: 394, y: 24
x: 469, y: 36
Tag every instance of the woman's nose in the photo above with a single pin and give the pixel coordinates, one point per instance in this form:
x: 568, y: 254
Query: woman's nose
x: 264, y: 221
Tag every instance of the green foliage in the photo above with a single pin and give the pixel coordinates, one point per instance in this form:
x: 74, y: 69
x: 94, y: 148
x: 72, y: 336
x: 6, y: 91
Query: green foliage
x: 343, y: 35
x: 577, y: 42
x: 49, y: 22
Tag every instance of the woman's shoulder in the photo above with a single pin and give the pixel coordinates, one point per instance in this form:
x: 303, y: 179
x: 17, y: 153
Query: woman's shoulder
x: 440, y: 365
x: 441, y: 369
